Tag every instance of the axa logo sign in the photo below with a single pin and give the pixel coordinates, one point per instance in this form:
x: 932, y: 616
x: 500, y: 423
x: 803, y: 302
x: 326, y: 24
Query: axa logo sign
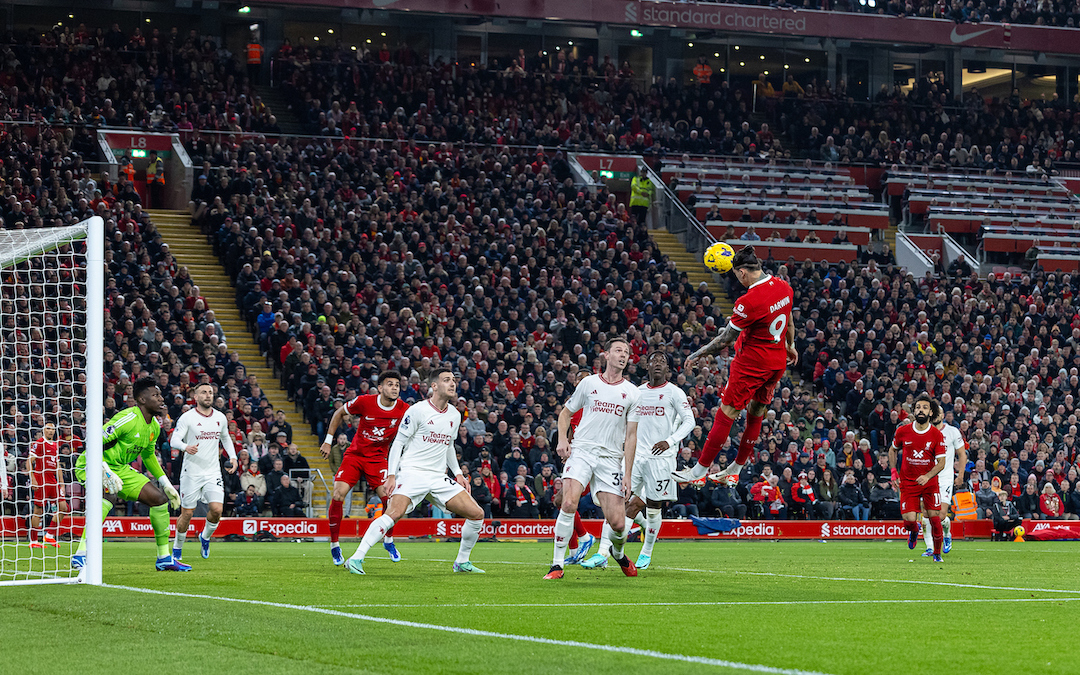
x: 112, y: 526
x: 631, y: 12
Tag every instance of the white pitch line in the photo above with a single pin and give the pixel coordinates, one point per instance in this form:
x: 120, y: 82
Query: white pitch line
x: 702, y: 660
x: 715, y: 604
x: 804, y: 576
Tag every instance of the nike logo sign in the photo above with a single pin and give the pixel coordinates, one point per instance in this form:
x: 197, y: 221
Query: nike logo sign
x: 960, y: 39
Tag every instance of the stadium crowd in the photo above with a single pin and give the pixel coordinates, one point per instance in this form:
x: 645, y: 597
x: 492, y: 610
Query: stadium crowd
x: 585, y: 105
x: 1046, y: 13
x: 443, y: 241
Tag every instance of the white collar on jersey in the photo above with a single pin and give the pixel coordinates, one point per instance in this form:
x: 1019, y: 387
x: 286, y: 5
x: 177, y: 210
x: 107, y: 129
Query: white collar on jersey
x: 763, y: 279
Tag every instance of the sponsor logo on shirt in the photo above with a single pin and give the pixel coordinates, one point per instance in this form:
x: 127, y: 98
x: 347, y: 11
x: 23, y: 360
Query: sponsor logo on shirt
x: 207, y: 435
x: 651, y: 410
x: 607, y: 407
x: 435, y: 437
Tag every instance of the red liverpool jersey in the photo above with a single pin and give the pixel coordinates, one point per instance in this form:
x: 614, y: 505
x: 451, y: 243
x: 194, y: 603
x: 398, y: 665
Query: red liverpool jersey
x: 376, y: 426
x: 762, y: 316
x: 919, y: 451
x: 46, y: 456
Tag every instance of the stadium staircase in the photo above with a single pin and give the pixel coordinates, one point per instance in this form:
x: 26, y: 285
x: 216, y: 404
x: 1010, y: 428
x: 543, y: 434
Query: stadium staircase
x: 190, y: 248
x: 279, y: 106
x: 695, y: 270
x: 889, y: 235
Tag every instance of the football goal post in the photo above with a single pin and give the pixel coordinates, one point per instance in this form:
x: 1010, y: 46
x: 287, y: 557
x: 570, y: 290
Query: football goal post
x: 52, y: 304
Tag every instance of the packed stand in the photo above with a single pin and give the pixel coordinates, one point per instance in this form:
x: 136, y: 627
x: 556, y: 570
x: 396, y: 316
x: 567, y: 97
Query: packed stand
x: 158, y: 81
x: 156, y: 324
x: 1048, y: 13
x: 603, y: 106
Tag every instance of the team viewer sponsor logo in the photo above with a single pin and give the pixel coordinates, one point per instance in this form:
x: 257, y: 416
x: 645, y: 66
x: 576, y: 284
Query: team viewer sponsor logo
x: 651, y: 410
x: 607, y: 407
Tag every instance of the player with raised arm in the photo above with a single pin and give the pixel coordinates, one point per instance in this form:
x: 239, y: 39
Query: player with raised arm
x: 921, y: 447
x: 602, y: 454
x: 760, y: 328
x: 377, y: 418
x: 46, y: 481
x: 416, y: 470
x: 664, y: 418
x: 955, y: 448
x: 133, y: 433
x: 201, y: 433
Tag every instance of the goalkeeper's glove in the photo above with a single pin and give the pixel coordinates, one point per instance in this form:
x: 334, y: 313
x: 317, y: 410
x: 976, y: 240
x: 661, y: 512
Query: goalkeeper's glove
x: 170, y: 492
x: 109, y: 480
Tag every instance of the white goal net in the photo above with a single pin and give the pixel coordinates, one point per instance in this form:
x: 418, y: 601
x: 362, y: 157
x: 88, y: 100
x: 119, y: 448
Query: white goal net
x: 51, y: 346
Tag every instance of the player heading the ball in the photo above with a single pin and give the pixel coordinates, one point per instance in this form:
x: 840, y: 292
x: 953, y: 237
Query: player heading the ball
x: 421, y: 453
x: 760, y: 328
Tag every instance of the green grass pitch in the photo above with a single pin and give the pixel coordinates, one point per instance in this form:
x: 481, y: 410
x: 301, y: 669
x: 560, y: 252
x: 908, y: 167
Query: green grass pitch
x: 704, y: 607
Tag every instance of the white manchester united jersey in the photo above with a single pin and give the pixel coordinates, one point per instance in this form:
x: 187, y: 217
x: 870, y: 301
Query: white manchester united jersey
x: 954, y: 441
x: 210, y: 432
x: 425, y: 440
x: 606, y: 408
x: 663, y: 414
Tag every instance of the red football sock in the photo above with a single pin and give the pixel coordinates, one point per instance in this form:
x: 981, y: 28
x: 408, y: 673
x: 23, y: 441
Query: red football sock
x: 749, y: 438
x: 911, y: 526
x: 573, y: 542
x: 385, y: 506
x: 938, y: 533
x: 579, y: 530
x: 719, y: 433
x: 334, y: 514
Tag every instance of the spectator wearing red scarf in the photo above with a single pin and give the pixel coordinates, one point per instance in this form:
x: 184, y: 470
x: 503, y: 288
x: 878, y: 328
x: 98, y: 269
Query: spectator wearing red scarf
x: 524, y: 504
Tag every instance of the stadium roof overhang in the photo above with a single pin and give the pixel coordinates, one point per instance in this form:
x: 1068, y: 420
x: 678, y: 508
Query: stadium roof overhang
x: 697, y: 16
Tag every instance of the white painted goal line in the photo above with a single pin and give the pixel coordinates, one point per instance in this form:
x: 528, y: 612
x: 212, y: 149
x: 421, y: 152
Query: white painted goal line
x: 685, y: 658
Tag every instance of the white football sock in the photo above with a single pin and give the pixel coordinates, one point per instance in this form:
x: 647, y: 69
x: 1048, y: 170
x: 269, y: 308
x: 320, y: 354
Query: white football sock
x: 181, y: 537
x: 469, y: 534
x: 699, y: 471
x: 655, y: 518
x: 564, y: 527
x: 605, y: 540
x: 734, y: 469
x: 388, y: 540
x: 618, y: 539
x: 927, y: 535
x: 639, y: 519
x: 946, y: 524
x: 208, y: 530
x: 375, y: 532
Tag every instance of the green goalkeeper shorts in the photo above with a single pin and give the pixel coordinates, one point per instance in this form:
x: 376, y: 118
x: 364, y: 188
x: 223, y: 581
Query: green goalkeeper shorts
x: 133, y: 480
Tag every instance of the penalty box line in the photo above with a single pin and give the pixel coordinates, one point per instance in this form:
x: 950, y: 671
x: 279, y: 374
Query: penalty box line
x: 918, y: 582
x: 712, y: 604
x: 701, y: 660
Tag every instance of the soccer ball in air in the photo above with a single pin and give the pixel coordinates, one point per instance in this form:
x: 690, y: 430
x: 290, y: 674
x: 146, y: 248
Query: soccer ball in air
x: 718, y: 257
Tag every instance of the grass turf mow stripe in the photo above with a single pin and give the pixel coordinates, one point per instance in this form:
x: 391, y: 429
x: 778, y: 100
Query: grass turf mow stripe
x: 702, y: 660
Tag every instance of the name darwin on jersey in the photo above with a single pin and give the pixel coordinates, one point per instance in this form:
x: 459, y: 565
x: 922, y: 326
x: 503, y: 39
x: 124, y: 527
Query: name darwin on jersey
x: 608, y: 407
x: 779, y: 305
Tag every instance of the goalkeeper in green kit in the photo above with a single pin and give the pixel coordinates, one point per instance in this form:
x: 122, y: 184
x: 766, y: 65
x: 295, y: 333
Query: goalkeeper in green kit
x: 130, y: 434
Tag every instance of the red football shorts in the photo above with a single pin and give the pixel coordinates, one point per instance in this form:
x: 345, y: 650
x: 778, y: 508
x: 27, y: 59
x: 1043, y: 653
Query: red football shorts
x: 354, y: 467
x: 746, y: 384
x: 49, y: 493
x: 913, y: 497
